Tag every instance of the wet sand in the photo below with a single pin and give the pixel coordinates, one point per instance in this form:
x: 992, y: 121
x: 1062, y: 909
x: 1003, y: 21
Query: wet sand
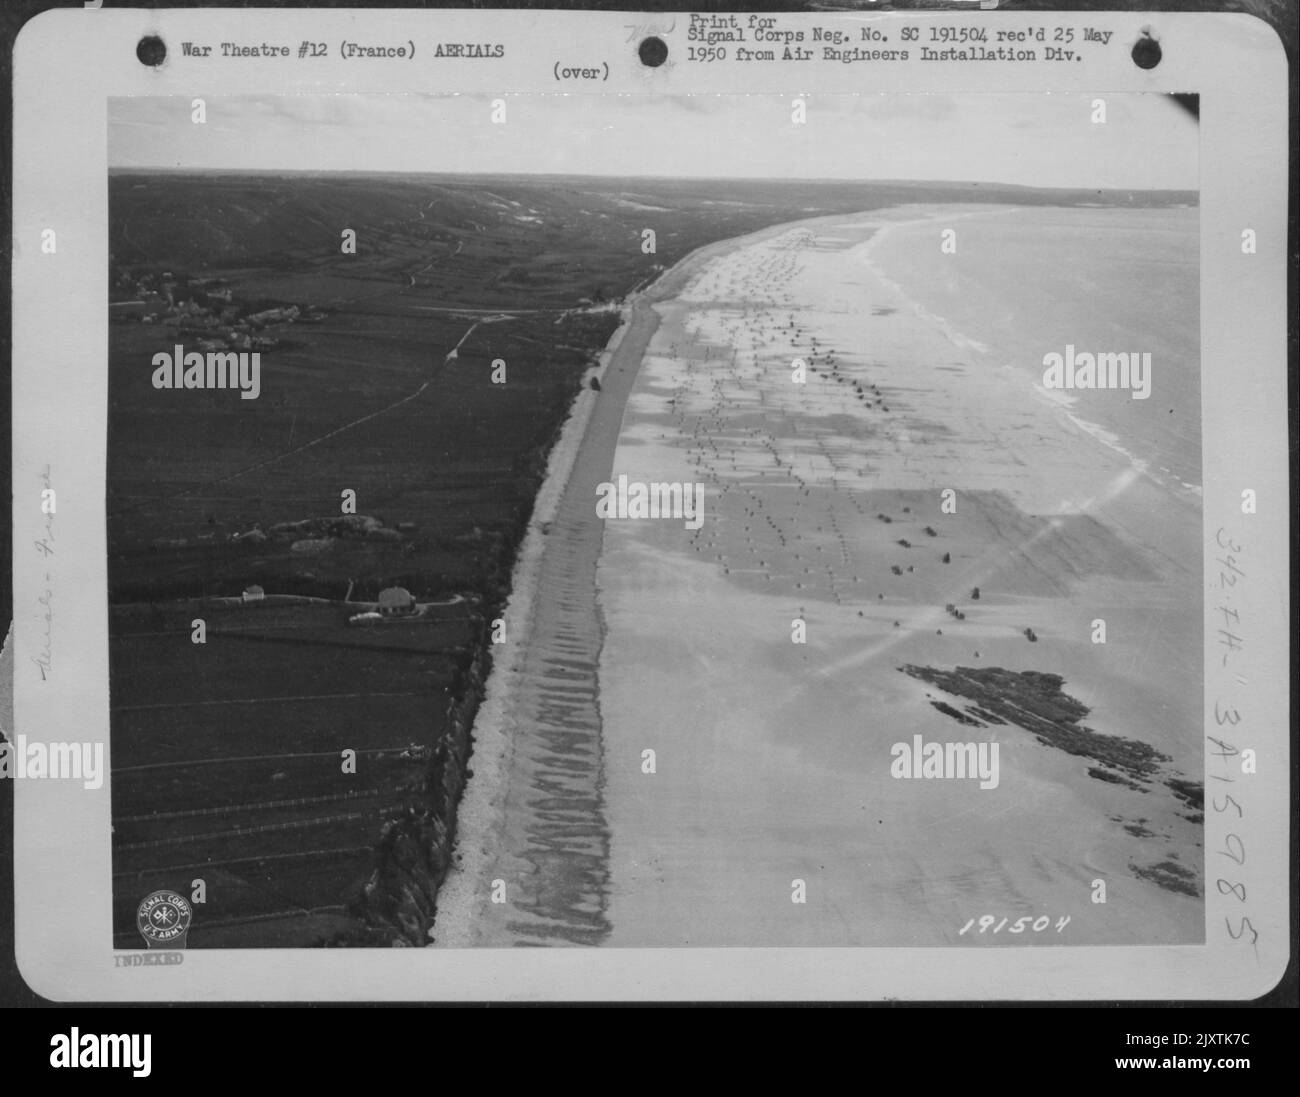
x: 533, y: 815
x: 772, y: 759
x: 824, y: 506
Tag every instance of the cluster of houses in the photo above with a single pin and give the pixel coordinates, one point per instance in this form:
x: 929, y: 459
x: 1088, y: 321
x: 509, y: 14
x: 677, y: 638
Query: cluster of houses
x: 202, y: 307
x: 395, y: 604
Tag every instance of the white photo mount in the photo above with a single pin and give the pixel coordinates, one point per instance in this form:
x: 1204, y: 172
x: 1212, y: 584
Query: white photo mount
x: 591, y: 63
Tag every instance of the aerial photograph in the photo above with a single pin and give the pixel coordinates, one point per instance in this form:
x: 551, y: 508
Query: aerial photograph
x: 656, y: 521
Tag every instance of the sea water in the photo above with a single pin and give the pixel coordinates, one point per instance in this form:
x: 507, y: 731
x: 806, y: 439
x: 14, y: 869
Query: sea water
x: 1018, y: 284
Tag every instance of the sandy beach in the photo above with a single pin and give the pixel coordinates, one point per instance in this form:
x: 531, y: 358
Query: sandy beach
x: 825, y: 520
x: 532, y: 816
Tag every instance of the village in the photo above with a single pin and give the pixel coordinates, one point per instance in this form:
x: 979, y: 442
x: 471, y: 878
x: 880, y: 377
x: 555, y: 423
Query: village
x: 205, y: 308
x: 317, y: 536
x: 395, y: 605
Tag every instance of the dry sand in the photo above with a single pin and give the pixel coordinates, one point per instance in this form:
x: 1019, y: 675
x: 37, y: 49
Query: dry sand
x: 532, y: 814
x: 773, y: 758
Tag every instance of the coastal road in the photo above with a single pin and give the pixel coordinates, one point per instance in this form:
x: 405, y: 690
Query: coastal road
x: 541, y: 828
x: 550, y: 843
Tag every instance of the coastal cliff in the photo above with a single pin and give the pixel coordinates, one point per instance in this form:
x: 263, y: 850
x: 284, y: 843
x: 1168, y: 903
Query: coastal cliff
x: 396, y: 905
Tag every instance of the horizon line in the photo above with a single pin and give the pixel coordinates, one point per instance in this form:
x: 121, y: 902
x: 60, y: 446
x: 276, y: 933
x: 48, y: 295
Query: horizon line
x: 162, y: 169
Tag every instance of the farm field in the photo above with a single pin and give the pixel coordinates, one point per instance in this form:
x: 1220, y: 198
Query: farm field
x: 239, y: 779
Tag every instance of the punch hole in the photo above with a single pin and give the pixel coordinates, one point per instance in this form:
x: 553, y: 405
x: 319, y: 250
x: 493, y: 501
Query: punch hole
x: 151, y: 50
x: 653, y: 52
x: 1146, y: 51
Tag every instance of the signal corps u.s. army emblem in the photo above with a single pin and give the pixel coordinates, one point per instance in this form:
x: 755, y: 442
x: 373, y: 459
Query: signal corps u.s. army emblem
x: 163, y: 919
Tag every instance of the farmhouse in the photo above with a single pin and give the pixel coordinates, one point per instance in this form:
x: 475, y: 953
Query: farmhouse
x: 396, y: 602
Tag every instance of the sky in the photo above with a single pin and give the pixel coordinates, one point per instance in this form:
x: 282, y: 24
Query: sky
x: 1038, y: 139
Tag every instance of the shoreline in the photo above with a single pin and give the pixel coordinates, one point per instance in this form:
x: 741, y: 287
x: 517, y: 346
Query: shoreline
x: 773, y: 757
x: 1072, y: 405
x: 569, y: 878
